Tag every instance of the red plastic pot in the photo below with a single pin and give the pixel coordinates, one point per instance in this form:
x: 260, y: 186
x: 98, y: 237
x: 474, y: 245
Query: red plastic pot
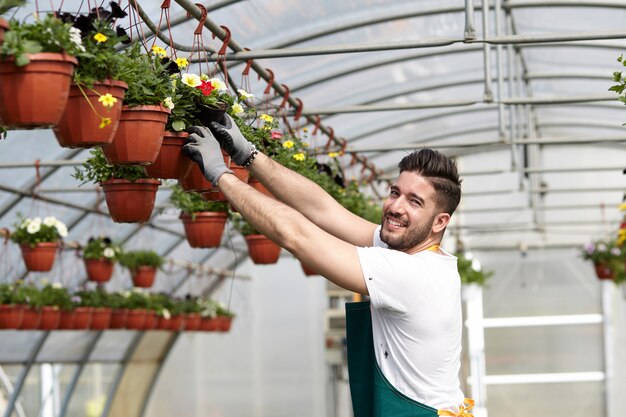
x: 136, y: 319
x: 4, y: 26
x: 177, y: 322
x: 209, y: 324
x: 204, y: 229
x: 603, y: 271
x: 119, y: 317
x: 66, y: 322
x: 192, y: 322
x: 11, y: 316
x: 143, y: 276
x: 100, y: 318
x: 151, y: 320
x: 30, y: 319
x: 82, y: 317
x: 99, y: 270
x: 130, y: 201
x: 262, y: 251
x: 39, y: 258
x: 307, y: 271
x: 50, y: 318
x: 171, y: 162
x: 224, y: 323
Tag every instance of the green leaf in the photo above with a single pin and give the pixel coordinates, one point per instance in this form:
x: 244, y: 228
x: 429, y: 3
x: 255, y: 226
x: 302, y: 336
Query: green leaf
x: 178, y: 125
x: 22, y: 60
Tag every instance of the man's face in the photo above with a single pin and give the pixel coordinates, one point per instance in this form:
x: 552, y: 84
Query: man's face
x: 408, y: 213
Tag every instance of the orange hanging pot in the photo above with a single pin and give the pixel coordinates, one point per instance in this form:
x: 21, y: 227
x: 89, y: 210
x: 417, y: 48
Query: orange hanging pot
x: 136, y: 319
x: 119, y: 316
x: 603, y: 271
x: 99, y: 270
x: 50, y: 318
x: 35, y: 94
x: 39, y: 258
x: 171, y: 162
x: 192, y: 322
x: 79, y: 126
x: 143, y: 276
x: 82, y: 317
x: 31, y: 318
x: 195, y: 181
x: 4, y: 26
x: 262, y: 251
x: 130, y: 201
x: 307, y: 271
x: 204, y: 229
x: 100, y: 318
x: 66, y: 322
x: 138, y: 137
x: 12, y: 315
x: 256, y: 184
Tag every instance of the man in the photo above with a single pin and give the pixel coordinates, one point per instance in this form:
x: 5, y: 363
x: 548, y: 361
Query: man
x: 404, y: 350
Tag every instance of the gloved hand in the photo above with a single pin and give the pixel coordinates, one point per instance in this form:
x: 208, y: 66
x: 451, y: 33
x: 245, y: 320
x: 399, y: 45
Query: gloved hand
x: 202, y: 148
x: 228, y: 135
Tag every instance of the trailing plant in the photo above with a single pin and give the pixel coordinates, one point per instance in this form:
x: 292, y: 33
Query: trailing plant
x: 135, y: 259
x: 102, y: 247
x: 96, y: 169
x: 191, y: 202
x: 33, y: 231
x: 49, y: 34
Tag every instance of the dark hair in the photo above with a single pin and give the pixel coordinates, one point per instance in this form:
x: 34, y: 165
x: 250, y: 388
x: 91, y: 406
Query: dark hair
x: 440, y: 171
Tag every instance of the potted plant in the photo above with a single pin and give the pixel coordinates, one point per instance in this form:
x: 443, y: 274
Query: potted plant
x: 137, y: 303
x: 92, y: 309
x: 27, y: 295
x: 204, y: 221
x: 606, y: 257
x: 470, y: 270
x: 52, y: 301
x: 94, y: 107
x: 5, y: 6
x: 140, y: 132
x: 11, y: 313
x: 128, y: 191
x: 261, y: 249
x: 39, y: 240
x: 41, y: 53
x: 143, y: 266
x: 100, y: 255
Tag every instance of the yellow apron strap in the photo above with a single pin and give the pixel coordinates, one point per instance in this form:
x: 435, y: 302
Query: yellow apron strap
x: 464, y: 409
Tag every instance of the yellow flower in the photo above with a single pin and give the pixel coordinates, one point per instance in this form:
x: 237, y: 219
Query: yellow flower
x: 305, y: 144
x: 288, y: 144
x: 182, y: 62
x: 621, y: 237
x: 99, y: 37
x: 157, y: 50
x: 237, y: 109
x: 299, y: 157
x: 333, y: 154
x: 622, y: 207
x: 107, y: 100
x: 105, y: 122
x: 267, y: 118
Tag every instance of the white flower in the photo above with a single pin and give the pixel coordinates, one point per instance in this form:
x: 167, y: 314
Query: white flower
x: 76, y: 39
x: 237, y: 108
x: 218, y: 84
x: 108, y: 253
x: 192, y: 80
x: 36, y: 220
x: 33, y: 228
x: 168, y: 103
x: 50, y: 221
x: 57, y: 285
x: 244, y: 94
x: 61, y: 229
x: 126, y: 294
x: 601, y: 247
x: 166, y: 314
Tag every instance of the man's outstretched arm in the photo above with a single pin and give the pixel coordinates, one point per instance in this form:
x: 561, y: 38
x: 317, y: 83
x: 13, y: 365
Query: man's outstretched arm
x: 295, y: 190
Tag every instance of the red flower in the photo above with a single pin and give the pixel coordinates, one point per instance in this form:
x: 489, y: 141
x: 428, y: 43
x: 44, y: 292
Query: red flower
x: 277, y: 135
x: 206, y: 88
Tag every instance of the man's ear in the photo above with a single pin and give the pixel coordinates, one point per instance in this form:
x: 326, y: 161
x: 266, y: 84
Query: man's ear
x: 441, y: 222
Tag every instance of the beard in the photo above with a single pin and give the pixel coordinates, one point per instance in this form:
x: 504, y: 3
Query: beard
x: 411, y: 237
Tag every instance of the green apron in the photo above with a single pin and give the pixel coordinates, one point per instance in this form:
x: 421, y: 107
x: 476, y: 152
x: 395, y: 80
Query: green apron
x: 372, y: 395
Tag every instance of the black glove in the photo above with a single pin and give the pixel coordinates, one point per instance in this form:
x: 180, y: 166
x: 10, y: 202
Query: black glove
x: 228, y: 135
x: 202, y: 148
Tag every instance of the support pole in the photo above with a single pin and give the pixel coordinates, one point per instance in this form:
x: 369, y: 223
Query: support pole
x: 473, y: 297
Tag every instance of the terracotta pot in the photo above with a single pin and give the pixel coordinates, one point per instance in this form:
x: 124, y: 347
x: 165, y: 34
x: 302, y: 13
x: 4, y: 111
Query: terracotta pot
x: 79, y: 126
x: 224, y: 323
x: 195, y: 181
x: 151, y: 320
x: 136, y: 319
x: 41, y: 257
x: 207, y: 115
x: 99, y: 270
x: 100, y: 318
x: 209, y: 324
x: 163, y: 323
x: 119, y: 318
x: 177, y: 323
x: 66, y: 322
x: 82, y: 317
x: 138, y: 137
x: 204, y: 229
x: 4, y: 26
x: 171, y: 162
x: 130, y: 201
x: 215, y: 195
x: 24, y: 104
x: 307, y: 271
x: 240, y: 172
x: 11, y: 316
x: 30, y: 319
x: 603, y: 271
x: 262, y: 251
x: 143, y: 276
x: 50, y: 318
x: 192, y: 322
x: 256, y: 184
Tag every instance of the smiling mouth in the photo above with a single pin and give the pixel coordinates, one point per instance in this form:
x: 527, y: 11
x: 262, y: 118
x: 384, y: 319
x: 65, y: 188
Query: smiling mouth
x: 394, y: 223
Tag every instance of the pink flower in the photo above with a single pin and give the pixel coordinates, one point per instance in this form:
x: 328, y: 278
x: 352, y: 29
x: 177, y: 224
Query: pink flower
x: 277, y: 135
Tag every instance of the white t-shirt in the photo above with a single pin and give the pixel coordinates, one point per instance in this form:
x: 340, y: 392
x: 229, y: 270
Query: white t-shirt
x: 416, y: 321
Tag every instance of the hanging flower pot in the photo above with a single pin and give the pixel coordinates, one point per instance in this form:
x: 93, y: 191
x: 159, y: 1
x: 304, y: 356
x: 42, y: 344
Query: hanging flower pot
x: 192, y: 322
x: 66, y: 322
x: 11, y: 316
x: 603, y: 271
x: 4, y: 26
x: 209, y: 324
x: 207, y: 115
x: 143, y: 276
x: 99, y: 270
x: 177, y: 322
x: 130, y: 201
x: 136, y: 319
x: 240, y: 172
x: 119, y: 317
x: 35, y: 94
x: 256, y: 184
x: 204, y: 229
x: 31, y: 318
x: 80, y: 125
x: 171, y: 162
x: 138, y: 137
x: 39, y: 258
x: 50, y: 318
x: 82, y: 317
x: 307, y: 271
x: 262, y: 251
x: 151, y: 320
x: 163, y: 323
x: 195, y: 181
x: 100, y: 318
x: 224, y: 323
